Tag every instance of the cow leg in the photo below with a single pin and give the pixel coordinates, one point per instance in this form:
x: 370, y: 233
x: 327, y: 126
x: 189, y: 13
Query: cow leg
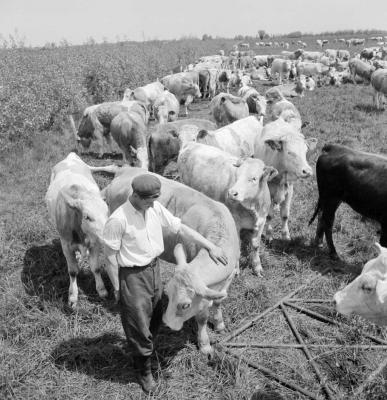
x: 73, y: 270
x: 96, y: 270
x: 284, y: 212
x: 269, y: 227
x: 98, y: 133
x: 109, y: 143
x: 327, y: 219
x: 383, y: 235
x: 203, y: 339
x: 318, y: 240
x: 255, y: 243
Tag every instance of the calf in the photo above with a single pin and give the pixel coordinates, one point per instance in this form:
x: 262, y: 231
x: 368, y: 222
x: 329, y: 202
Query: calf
x: 353, y: 177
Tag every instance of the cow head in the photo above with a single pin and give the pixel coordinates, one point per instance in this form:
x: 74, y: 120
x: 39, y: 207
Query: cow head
x: 274, y: 95
x: 187, y: 293
x: 260, y: 104
x: 251, y: 178
x: 85, y: 131
x: 288, y: 154
x: 367, y: 294
x: 90, y: 210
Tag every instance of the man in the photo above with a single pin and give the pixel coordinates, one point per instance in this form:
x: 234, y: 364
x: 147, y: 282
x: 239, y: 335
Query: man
x: 133, y: 241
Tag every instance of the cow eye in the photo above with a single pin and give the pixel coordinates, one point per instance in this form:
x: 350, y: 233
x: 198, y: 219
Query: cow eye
x: 254, y: 179
x: 88, y: 218
x: 185, y: 306
x: 366, y: 287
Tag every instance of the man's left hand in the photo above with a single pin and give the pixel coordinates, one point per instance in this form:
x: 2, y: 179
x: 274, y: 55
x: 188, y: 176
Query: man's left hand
x: 217, y: 254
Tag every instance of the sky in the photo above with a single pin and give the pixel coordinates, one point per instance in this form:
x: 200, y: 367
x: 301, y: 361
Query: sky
x: 44, y: 21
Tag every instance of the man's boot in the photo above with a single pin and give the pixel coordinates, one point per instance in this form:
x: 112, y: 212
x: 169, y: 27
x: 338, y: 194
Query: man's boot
x: 142, y: 366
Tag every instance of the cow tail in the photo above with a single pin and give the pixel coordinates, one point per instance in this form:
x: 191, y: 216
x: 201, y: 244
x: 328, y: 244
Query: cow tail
x: 316, y: 211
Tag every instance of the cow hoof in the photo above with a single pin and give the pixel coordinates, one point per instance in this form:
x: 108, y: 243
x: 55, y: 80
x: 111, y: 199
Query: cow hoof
x: 207, y: 350
x: 220, y: 328
x: 103, y: 293
x: 285, y: 236
x: 73, y: 303
x: 258, y: 272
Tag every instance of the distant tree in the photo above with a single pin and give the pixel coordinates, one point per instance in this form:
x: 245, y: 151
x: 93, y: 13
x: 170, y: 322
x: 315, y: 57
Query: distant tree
x: 261, y: 34
x: 206, y: 37
x: 238, y: 37
x: 295, y: 34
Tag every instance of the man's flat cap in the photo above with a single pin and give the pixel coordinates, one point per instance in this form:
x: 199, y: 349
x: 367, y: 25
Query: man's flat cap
x: 146, y: 185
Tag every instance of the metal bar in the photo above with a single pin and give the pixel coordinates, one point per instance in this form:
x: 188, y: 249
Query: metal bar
x: 307, y: 353
x: 274, y: 376
x: 311, y: 300
x: 371, y: 377
x: 322, y: 318
x: 300, y: 346
x: 249, y: 323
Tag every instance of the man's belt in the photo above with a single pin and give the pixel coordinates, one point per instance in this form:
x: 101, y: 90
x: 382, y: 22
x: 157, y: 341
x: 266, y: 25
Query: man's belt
x: 152, y: 264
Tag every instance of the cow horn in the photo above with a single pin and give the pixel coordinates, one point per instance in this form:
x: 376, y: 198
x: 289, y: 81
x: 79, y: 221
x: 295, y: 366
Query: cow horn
x: 211, y: 294
x: 133, y: 150
x: 179, y: 254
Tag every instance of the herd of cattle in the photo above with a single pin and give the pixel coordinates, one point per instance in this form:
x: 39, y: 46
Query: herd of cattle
x: 234, y: 173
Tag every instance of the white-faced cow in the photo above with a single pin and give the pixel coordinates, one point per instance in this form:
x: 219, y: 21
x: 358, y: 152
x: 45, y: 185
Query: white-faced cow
x: 198, y: 281
x: 283, y: 147
x: 166, y: 107
x: 76, y: 208
x: 353, y: 177
x: 367, y: 294
x: 241, y: 184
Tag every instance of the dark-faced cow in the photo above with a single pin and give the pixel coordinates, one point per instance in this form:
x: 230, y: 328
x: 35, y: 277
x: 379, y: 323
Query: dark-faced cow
x: 77, y: 210
x: 164, y: 144
x: 353, y: 177
x: 241, y: 184
x: 256, y: 103
x: 198, y: 281
x: 226, y: 108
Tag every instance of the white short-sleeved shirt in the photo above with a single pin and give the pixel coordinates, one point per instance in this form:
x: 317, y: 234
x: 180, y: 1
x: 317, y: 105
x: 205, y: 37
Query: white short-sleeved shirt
x: 138, y: 240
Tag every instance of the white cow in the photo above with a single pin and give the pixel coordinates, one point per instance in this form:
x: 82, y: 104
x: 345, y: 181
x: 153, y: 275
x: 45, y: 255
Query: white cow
x: 367, y: 294
x: 76, y: 208
x: 241, y: 184
x: 283, y: 147
x: 198, y: 282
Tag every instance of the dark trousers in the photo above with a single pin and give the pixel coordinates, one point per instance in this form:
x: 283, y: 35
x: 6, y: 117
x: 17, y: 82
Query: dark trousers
x: 140, y: 306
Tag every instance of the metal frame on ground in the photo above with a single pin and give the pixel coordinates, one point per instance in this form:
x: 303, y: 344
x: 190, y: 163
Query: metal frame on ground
x: 290, y: 302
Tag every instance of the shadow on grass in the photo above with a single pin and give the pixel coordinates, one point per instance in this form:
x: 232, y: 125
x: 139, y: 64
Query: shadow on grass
x: 107, y: 357
x: 318, y: 259
x: 105, y: 156
x: 368, y: 108
x: 45, y: 275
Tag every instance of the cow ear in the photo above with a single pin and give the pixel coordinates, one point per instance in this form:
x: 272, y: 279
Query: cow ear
x: 202, y: 134
x: 222, y: 99
x: 381, y: 290
x: 238, y: 162
x: 173, y: 133
x: 269, y: 173
x: 275, y: 144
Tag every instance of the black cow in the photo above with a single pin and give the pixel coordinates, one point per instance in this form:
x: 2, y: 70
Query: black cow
x: 356, y: 178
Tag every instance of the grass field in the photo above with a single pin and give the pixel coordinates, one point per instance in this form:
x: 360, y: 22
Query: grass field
x: 50, y: 352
